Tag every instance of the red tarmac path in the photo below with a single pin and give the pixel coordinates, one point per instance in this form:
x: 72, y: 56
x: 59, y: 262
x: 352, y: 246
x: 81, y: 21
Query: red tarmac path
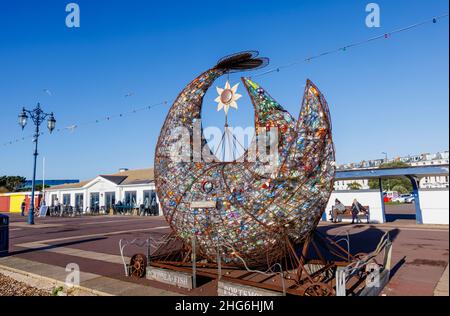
x: 420, y: 252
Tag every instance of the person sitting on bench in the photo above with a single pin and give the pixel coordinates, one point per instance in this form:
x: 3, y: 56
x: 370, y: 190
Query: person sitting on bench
x: 337, y: 208
x: 356, y: 208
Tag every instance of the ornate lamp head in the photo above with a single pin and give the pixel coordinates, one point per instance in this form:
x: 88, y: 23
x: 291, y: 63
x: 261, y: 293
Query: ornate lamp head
x: 51, y: 122
x: 23, y: 117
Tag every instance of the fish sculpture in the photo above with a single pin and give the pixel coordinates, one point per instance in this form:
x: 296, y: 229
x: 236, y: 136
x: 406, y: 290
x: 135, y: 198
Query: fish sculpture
x: 253, y: 216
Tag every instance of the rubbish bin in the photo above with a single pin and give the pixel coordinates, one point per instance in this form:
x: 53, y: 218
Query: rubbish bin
x: 4, y: 235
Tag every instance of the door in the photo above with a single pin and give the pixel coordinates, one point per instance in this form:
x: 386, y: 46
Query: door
x: 79, y: 201
x: 54, y: 196
x: 66, y: 199
x: 150, y: 202
x: 95, y: 201
x: 110, y: 200
x: 4, y: 203
x: 130, y: 198
x: 147, y: 198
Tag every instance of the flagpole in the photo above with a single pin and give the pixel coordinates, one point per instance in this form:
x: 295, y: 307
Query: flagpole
x: 43, y: 178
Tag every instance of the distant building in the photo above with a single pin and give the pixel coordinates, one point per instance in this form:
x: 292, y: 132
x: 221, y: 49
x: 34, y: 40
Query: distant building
x: 131, y: 187
x: 441, y: 158
x: 425, y: 159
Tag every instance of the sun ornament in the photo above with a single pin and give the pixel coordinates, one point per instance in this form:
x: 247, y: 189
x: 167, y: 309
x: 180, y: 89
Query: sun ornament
x: 227, y: 97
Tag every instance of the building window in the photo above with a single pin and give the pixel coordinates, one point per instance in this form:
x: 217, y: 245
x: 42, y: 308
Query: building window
x: 54, y: 197
x: 147, y: 197
x: 110, y: 199
x: 94, y: 201
x: 150, y: 202
x: 130, y: 198
x: 79, y: 200
x: 66, y: 199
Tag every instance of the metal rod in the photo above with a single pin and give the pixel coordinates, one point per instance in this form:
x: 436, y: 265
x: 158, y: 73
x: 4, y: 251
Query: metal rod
x: 148, y: 251
x: 121, y: 247
x: 301, y: 260
x: 33, y: 183
x: 219, y: 263
x: 194, y: 264
x: 383, y: 210
x: 43, y: 179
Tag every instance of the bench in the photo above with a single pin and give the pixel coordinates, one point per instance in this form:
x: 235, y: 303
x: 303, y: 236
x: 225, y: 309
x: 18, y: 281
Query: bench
x: 348, y: 214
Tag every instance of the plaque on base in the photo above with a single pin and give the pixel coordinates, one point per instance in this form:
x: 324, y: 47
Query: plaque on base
x: 234, y: 289
x: 176, y: 278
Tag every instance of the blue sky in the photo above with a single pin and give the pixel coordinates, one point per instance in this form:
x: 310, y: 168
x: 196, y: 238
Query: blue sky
x: 390, y: 95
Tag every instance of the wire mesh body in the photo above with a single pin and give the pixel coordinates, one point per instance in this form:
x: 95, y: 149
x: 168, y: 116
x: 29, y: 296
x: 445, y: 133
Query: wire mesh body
x: 257, y: 212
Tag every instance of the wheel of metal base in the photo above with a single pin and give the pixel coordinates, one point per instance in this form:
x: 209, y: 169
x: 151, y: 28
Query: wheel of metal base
x: 318, y: 289
x: 138, y: 264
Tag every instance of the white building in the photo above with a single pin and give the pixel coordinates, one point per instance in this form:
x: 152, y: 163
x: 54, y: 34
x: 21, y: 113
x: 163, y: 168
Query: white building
x: 426, y: 159
x: 441, y: 158
x: 131, y: 187
x: 344, y: 184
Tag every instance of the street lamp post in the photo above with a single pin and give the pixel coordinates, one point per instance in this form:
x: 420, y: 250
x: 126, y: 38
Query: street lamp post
x: 37, y: 116
x: 386, y: 161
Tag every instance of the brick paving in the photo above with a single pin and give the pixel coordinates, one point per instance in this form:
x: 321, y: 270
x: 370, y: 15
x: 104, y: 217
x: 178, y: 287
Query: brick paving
x: 420, y: 252
x: 442, y: 287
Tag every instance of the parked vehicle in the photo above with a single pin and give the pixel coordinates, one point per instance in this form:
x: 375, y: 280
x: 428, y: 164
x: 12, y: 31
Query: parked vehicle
x: 410, y: 199
x: 389, y: 196
x: 404, y: 198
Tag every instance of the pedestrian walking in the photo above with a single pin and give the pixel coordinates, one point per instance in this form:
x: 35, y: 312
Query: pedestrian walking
x: 22, y: 207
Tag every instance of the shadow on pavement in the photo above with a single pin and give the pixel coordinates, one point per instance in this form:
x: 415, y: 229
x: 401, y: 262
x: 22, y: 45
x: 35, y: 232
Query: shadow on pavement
x: 361, y: 241
x: 28, y: 250
x: 393, y: 217
x: 397, y: 266
x: 364, y: 241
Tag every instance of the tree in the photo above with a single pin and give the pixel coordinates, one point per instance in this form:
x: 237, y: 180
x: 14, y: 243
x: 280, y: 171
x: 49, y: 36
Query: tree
x: 38, y: 187
x: 354, y: 186
x: 390, y: 184
x: 400, y: 189
x: 12, y: 183
x: 394, y: 164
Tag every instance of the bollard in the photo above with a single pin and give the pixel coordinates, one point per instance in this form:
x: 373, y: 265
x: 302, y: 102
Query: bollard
x: 4, y: 235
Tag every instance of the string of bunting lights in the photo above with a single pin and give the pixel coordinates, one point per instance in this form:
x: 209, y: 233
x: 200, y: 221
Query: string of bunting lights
x: 93, y: 122
x: 387, y: 35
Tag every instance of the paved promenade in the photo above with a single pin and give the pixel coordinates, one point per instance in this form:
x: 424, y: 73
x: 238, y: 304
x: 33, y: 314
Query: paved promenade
x: 442, y: 287
x: 420, y: 253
